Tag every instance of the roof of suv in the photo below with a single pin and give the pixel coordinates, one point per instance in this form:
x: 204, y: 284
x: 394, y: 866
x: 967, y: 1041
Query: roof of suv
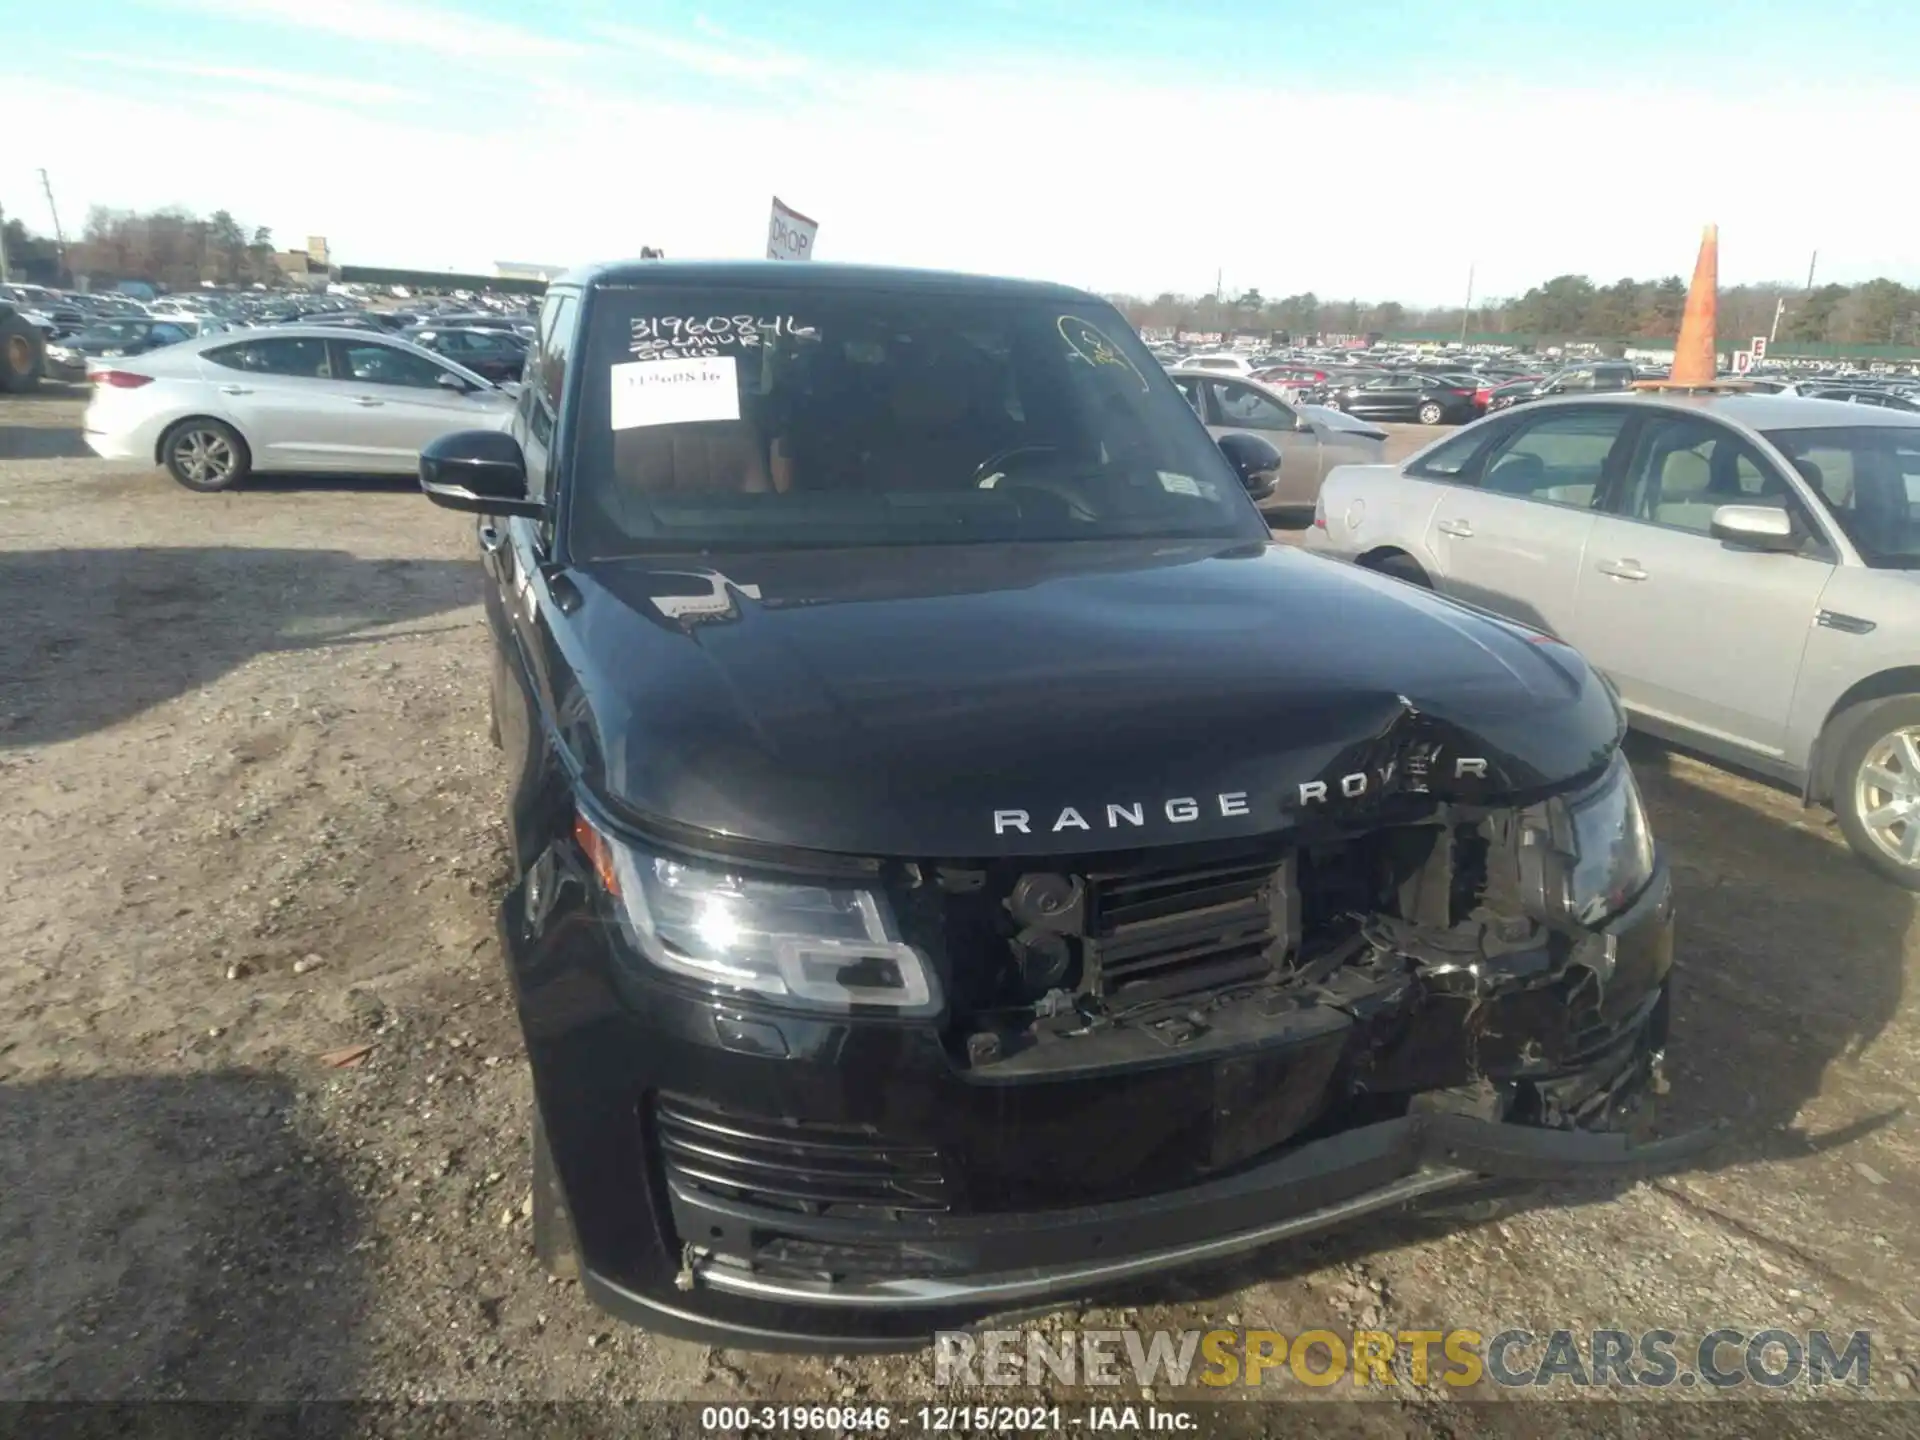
x: 809, y: 275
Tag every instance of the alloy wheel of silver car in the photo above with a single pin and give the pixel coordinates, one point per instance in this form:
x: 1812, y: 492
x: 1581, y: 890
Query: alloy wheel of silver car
x: 1886, y: 795
x: 1429, y: 414
x: 205, y: 457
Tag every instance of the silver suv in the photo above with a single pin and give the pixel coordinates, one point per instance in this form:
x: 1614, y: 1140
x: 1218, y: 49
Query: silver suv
x: 1745, y: 568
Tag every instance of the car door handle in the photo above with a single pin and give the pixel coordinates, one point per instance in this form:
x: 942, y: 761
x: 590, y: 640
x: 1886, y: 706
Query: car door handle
x: 367, y: 400
x: 1623, y: 569
x: 1459, y: 529
x: 236, y: 390
x: 492, y: 539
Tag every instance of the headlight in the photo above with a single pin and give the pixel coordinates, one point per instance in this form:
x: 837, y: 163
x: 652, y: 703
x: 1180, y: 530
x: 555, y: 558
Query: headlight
x: 1612, y: 847
x: 814, y: 945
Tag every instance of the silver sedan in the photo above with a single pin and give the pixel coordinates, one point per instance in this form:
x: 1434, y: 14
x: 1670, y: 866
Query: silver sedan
x: 1745, y: 569
x: 293, y: 398
x: 1311, y: 439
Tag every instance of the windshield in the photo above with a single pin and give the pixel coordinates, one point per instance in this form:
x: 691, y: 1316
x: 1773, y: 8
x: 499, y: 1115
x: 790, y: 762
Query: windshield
x: 803, y: 417
x: 1869, y: 478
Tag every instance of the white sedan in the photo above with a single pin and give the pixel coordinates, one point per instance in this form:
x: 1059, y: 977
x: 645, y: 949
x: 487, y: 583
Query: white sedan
x: 300, y: 399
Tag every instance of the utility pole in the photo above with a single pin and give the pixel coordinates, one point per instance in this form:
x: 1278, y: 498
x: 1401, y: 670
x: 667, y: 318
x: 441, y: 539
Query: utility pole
x: 5, y: 275
x: 1779, y: 309
x: 1467, y: 309
x: 59, y: 235
x: 1810, y: 264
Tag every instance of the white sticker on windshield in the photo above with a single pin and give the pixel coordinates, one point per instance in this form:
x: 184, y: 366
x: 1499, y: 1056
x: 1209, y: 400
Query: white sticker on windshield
x: 674, y: 392
x: 1178, y: 484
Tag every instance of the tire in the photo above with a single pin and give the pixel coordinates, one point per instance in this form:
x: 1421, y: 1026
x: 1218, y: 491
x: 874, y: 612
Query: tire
x: 553, y: 1243
x: 23, y: 355
x: 1402, y: 566
x: 1431, y: 414
x: 1876, y: 789
x: 1333, y: 402
x: 205, y: 455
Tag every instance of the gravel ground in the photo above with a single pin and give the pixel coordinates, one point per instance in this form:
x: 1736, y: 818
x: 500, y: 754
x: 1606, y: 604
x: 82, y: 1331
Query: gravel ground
x: 253, y: 814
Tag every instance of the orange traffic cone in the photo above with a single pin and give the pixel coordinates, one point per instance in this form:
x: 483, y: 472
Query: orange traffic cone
x: 1696, y: 360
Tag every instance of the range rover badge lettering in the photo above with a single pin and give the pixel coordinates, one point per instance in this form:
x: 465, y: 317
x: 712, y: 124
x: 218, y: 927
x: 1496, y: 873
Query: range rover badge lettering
x: 1130, y: 814
x: 1227, y: 805
x: 1362, y: 782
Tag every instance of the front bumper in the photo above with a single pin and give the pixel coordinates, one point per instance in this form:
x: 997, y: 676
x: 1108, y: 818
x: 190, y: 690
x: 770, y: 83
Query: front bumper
x: 660, y: 1247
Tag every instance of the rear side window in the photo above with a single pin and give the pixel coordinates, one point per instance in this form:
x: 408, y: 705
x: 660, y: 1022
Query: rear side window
x: 1451, y: 460
x: 1559, y: 458
x: 306, y: 358
x: 385, y: 365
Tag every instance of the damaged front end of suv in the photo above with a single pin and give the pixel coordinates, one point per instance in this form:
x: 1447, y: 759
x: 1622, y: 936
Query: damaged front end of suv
x: 963, y: 865
x: 845, y: 1108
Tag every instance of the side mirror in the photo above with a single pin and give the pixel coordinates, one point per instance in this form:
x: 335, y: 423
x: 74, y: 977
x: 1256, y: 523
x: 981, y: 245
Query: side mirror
x: 447, y: 380
x: 1302, y: 424
x: 481, y: 471
x: 1255, y: 461
x: 1757, y: 527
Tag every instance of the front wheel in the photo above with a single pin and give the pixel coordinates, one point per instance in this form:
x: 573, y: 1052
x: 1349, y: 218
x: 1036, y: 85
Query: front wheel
x: 1877, y: 790
x: 1430, y: 414
x: 205, y: 455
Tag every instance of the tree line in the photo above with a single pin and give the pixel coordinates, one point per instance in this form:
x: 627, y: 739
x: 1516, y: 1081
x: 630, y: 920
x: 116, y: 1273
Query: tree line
x: 177, y: 249
x: 172, y: 248
x: 1567, y: 307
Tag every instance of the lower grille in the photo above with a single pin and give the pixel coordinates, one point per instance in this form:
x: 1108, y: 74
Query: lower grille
x: 1154, y: 934
x: 803, y: 1166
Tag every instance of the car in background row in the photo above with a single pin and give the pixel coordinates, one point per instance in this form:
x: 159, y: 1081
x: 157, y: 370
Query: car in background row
x: 1404, y: 396
x: 1297, y: 382
x: 294, y: 399
x: 1744, y: 568
x: 1858, y: 395
x: 68, y: 357
x: 1493, y: 393
x: 1311, y: 439
x: 1226, y: 364
x: 1604, y: 376
x: 500, y: 355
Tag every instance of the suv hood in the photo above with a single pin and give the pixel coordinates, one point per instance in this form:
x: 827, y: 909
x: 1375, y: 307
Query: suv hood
x: 1050, y: 699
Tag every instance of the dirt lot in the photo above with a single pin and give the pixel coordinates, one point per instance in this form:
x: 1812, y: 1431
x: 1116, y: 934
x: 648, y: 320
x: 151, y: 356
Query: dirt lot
x: 252, y: 814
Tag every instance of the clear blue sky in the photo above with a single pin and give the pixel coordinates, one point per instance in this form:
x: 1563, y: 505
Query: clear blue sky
x: 1373, y: 149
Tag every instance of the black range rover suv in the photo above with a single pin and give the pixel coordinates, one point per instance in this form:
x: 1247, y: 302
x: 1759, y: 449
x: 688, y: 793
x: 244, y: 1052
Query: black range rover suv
x: 963, y: 865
